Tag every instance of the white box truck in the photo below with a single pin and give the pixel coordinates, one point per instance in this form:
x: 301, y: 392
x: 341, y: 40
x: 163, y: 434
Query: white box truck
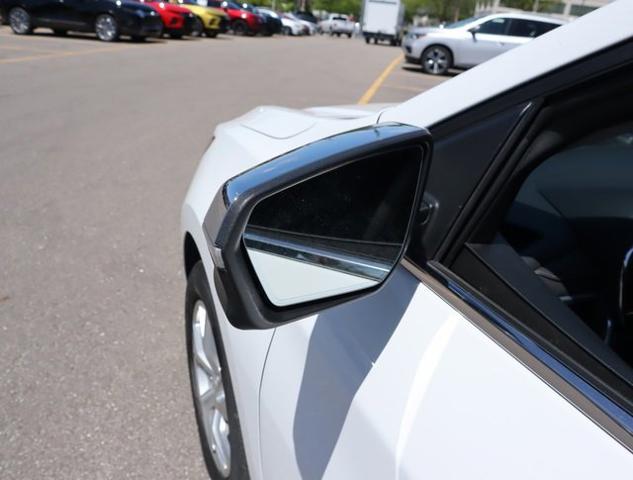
x: 383, y: 20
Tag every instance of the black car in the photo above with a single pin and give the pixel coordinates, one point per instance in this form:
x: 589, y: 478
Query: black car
x: 107, y: 18
x: 272, y: 20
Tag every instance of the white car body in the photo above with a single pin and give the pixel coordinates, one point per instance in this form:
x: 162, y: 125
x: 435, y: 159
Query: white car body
x: 292, y: 26
x: 337, y: 24
x: 403, y: 384
x: 467, y: 49
x: 312, y: 28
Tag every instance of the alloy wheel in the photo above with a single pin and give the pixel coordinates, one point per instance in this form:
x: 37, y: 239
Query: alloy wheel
x: 106, y: 28
x: 436, y: 61
x: 209, y: 389
x: 20, y: 21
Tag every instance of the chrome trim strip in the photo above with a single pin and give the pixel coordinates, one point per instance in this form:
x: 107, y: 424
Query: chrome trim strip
x: 341, y: 262
x: 609, y: 416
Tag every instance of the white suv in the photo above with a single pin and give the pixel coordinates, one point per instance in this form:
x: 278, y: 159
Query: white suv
x: 472, y: 41
x: 441, y: 289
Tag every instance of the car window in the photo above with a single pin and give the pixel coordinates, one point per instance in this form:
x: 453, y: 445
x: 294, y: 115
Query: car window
x: 496, y: 26
x: 571, y: 225
x: 529, y: 28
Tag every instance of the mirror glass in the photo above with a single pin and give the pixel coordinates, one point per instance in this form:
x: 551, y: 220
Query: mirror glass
x: 339, y: 232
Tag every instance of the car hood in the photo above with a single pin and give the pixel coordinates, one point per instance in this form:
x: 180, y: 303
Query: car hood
x: 284, y: 123
x: 169, y: 7
x: 130, y: 5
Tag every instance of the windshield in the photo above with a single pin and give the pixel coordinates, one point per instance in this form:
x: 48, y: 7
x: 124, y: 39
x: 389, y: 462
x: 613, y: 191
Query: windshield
x: 461, y: 23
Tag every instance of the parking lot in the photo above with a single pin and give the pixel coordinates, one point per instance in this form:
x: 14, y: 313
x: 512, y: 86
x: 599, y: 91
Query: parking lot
x: 98, y: 143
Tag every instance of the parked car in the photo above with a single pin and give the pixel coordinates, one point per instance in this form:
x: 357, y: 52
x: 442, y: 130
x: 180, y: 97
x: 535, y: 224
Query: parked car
x: 383, y: 21
x: 310, y: 27
x: 472, y: 41
x: 177, y: 21
x: 209, y: 21
x: 337, y: 25
x: 306, y: 16
x: 109, y: 19
x: 272, y: 22
x: 241, y: 21
x: 291, y: 26
x: 437, y: 289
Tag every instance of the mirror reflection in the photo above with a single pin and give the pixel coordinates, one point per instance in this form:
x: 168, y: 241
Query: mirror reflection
x: 340, y: 232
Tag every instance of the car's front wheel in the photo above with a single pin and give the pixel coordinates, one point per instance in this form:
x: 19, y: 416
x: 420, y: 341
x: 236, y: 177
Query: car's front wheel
x: 214, y: 403
x: 240, y: 27
x: 197, y: 28
x: 106, y: 28
x: 20, y: 21
x: 436, y: 60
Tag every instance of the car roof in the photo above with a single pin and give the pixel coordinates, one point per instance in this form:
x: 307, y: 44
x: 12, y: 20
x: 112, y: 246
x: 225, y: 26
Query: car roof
x: 524, y: 16
x: 588, y: 34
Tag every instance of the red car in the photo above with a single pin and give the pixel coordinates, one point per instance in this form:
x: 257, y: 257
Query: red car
x: 242, y: 21
x: 177, y: 20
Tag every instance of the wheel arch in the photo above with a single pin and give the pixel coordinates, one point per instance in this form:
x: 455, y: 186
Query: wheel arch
x: 191, y: 254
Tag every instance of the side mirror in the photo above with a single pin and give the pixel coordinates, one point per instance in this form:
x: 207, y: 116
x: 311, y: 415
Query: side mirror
x: 322, y: 225
x: 625, y: 294
x: 473, y: 31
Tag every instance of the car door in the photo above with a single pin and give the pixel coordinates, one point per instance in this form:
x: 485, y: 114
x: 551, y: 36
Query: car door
x: 48, y: 13
x: 422, y: 379
x: 487, y: 40
x: 80, y: 14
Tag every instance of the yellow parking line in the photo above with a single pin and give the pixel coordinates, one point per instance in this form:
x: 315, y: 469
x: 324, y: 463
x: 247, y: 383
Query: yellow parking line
x: 66, y: 54
x: 371, y: 91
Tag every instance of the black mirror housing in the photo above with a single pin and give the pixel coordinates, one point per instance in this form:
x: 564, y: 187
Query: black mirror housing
x: 243, y: 298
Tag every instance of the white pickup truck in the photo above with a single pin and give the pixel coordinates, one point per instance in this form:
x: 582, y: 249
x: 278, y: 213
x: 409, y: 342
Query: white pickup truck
x: 337, y: 24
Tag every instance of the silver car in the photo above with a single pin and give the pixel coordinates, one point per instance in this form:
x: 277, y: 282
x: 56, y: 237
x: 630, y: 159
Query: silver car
x: 472, y: 41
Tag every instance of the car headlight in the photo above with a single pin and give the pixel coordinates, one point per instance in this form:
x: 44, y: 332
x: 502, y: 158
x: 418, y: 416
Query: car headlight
x: 415, y: 36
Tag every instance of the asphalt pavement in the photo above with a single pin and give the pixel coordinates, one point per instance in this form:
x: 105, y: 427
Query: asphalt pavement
x: 98, y: 143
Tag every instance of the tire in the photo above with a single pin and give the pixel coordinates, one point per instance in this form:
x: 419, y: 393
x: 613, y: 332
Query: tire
x: 436, y: 60
x: 367, y: 40
x: 20, y: 21
x: 211, y: 33
x: 60, y: 33
x: 197, y: 29
x: 197, y: 299
x: 239, y: 27
x: 175, y: 36
x: 286, y: 31
x: 106, y: 28
x: 349, y: 35
x: 138, y: 38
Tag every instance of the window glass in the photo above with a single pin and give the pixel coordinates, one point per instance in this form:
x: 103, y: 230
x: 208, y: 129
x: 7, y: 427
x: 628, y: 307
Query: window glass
x: 529, y: 28
x: 496, y: 26
x: 571, y: 224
